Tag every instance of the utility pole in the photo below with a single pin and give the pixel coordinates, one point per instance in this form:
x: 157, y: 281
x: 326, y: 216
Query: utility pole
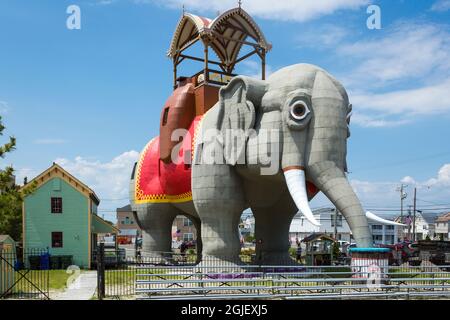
x: 335, y: 222
x: 414, y: 213
x: 403, y: 196
x: 409, y: 222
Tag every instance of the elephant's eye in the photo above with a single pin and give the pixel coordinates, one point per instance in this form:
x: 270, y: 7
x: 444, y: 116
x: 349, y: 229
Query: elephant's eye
x: 299, y: 110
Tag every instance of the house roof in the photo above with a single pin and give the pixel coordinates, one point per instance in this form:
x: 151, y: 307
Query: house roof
x: 225, y: 34
x: 429, y: 218
x: 318, y: 236
x: 126, y: 208
x: 443, y: 218
x: 57, y: 171
x: 4, y: 237
x: 100, y: 225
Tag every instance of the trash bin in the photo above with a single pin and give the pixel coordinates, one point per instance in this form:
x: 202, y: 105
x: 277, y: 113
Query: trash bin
x: 55, y: 262
x: 66, y: 261
x: 34, y: 262
x: 44, y: 260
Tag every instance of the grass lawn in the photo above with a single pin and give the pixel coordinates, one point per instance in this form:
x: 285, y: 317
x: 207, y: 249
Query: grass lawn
x: 57, y: 279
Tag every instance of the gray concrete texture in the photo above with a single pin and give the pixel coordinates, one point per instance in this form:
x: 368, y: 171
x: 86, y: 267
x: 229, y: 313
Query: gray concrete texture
x: 317, y: 142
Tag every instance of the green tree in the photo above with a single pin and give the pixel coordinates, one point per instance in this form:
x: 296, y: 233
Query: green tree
x: 11, y: 195
x: 336, y: 250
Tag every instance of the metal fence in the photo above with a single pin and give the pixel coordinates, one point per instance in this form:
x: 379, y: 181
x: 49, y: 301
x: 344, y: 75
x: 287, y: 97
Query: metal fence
x: 24, y: 275
x: 175, y: 276
x: 289, y: 282
x: 117, y: 270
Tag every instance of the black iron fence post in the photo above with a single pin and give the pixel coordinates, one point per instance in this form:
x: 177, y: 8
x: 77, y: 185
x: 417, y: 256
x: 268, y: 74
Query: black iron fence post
x: 101, y: 271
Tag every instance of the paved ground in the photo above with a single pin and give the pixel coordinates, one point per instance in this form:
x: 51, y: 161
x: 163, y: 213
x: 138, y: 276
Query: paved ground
x: 83, y: 288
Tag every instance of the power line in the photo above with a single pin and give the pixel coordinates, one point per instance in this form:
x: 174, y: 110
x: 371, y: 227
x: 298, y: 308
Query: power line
x: 434, y: 203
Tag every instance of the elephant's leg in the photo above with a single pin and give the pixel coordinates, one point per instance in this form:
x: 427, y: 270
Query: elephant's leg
x: 272, y: 232
x: 199, y: 244
x: 219, y: 201
x: 156, y: 221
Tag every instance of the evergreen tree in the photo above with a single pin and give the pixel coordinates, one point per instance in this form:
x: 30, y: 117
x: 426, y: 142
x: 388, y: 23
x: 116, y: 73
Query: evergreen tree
x: 11, y: 196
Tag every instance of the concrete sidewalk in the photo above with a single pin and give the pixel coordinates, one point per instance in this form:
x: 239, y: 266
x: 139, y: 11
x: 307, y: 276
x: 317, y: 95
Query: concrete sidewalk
x: 83, y: 288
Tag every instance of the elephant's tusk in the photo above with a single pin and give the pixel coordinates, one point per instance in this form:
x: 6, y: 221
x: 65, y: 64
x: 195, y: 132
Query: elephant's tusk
x: 376, y: 218
x: 295, y: 180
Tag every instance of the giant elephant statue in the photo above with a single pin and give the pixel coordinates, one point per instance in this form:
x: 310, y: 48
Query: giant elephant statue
x: 269, y: 145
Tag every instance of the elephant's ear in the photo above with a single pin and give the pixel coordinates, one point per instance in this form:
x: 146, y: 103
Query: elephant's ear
x: 238, y: 100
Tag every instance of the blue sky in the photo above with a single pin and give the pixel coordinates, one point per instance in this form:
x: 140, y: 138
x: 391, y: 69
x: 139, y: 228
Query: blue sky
x: 91, y: 98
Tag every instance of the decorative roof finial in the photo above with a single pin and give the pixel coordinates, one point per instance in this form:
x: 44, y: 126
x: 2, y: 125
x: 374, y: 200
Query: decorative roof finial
x: 184, y: 10
x: 239, y: 3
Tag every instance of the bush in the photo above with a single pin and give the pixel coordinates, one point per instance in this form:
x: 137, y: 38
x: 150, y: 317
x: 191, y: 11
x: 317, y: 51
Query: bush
x: 247, y: 251
x: 55, y: 263
x: 336, y: 251
x: 293, y: 252
x: 249, y: 238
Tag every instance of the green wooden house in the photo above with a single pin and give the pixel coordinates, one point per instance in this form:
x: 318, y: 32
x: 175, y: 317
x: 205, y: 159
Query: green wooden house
x: 61, y: 215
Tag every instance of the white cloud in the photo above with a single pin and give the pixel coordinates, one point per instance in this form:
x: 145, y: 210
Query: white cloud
x: 407, y: 50
x: 50, y: 141
x: 252, y: 68
x: 441, y: 6
x: 21, y: 173
x: 427, y: 100
x: 385, y: 194
x: 322, y: 36
x: 293, y: 10
x: 376, y: 121
x: 414, y: 57
x: 375, y: 192
x: 109, y: 180
x: 442, y: 179
x: 3, y: 107
x: 408, y: 180
x: 103, y: 2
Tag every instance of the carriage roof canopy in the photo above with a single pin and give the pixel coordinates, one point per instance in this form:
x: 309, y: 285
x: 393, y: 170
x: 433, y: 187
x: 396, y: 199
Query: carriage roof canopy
x: 226, y: 35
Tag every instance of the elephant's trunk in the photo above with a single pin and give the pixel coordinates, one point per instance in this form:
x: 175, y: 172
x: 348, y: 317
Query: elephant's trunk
x: 332, y: 182
x: 295, y: 180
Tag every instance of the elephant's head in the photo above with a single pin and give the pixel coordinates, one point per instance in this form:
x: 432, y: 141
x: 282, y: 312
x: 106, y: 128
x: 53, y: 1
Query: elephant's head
x: 312, y: 111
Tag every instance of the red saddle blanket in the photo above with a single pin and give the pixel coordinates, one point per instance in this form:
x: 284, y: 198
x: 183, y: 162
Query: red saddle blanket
x: 156, y: 181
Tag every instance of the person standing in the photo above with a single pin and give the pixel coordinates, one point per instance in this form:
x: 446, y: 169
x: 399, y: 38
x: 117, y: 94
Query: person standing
x: 299, y: 252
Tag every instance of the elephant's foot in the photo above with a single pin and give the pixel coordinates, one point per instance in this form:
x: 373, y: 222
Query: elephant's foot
x: 220, y: 237
x: 272, y: 232
x: 156, y: 257
x: 275, y: 258
x: 220, y: 265
x: 156, y: 221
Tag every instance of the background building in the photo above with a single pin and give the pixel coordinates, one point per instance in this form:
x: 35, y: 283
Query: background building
x: 247, y: 226
x: 127, y: 224
x: 424, y: 226
x: 61, y: 215
x: 442, y: 223
x: 383, y: 234
x: 183, y: 230
x: 301, y: 228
